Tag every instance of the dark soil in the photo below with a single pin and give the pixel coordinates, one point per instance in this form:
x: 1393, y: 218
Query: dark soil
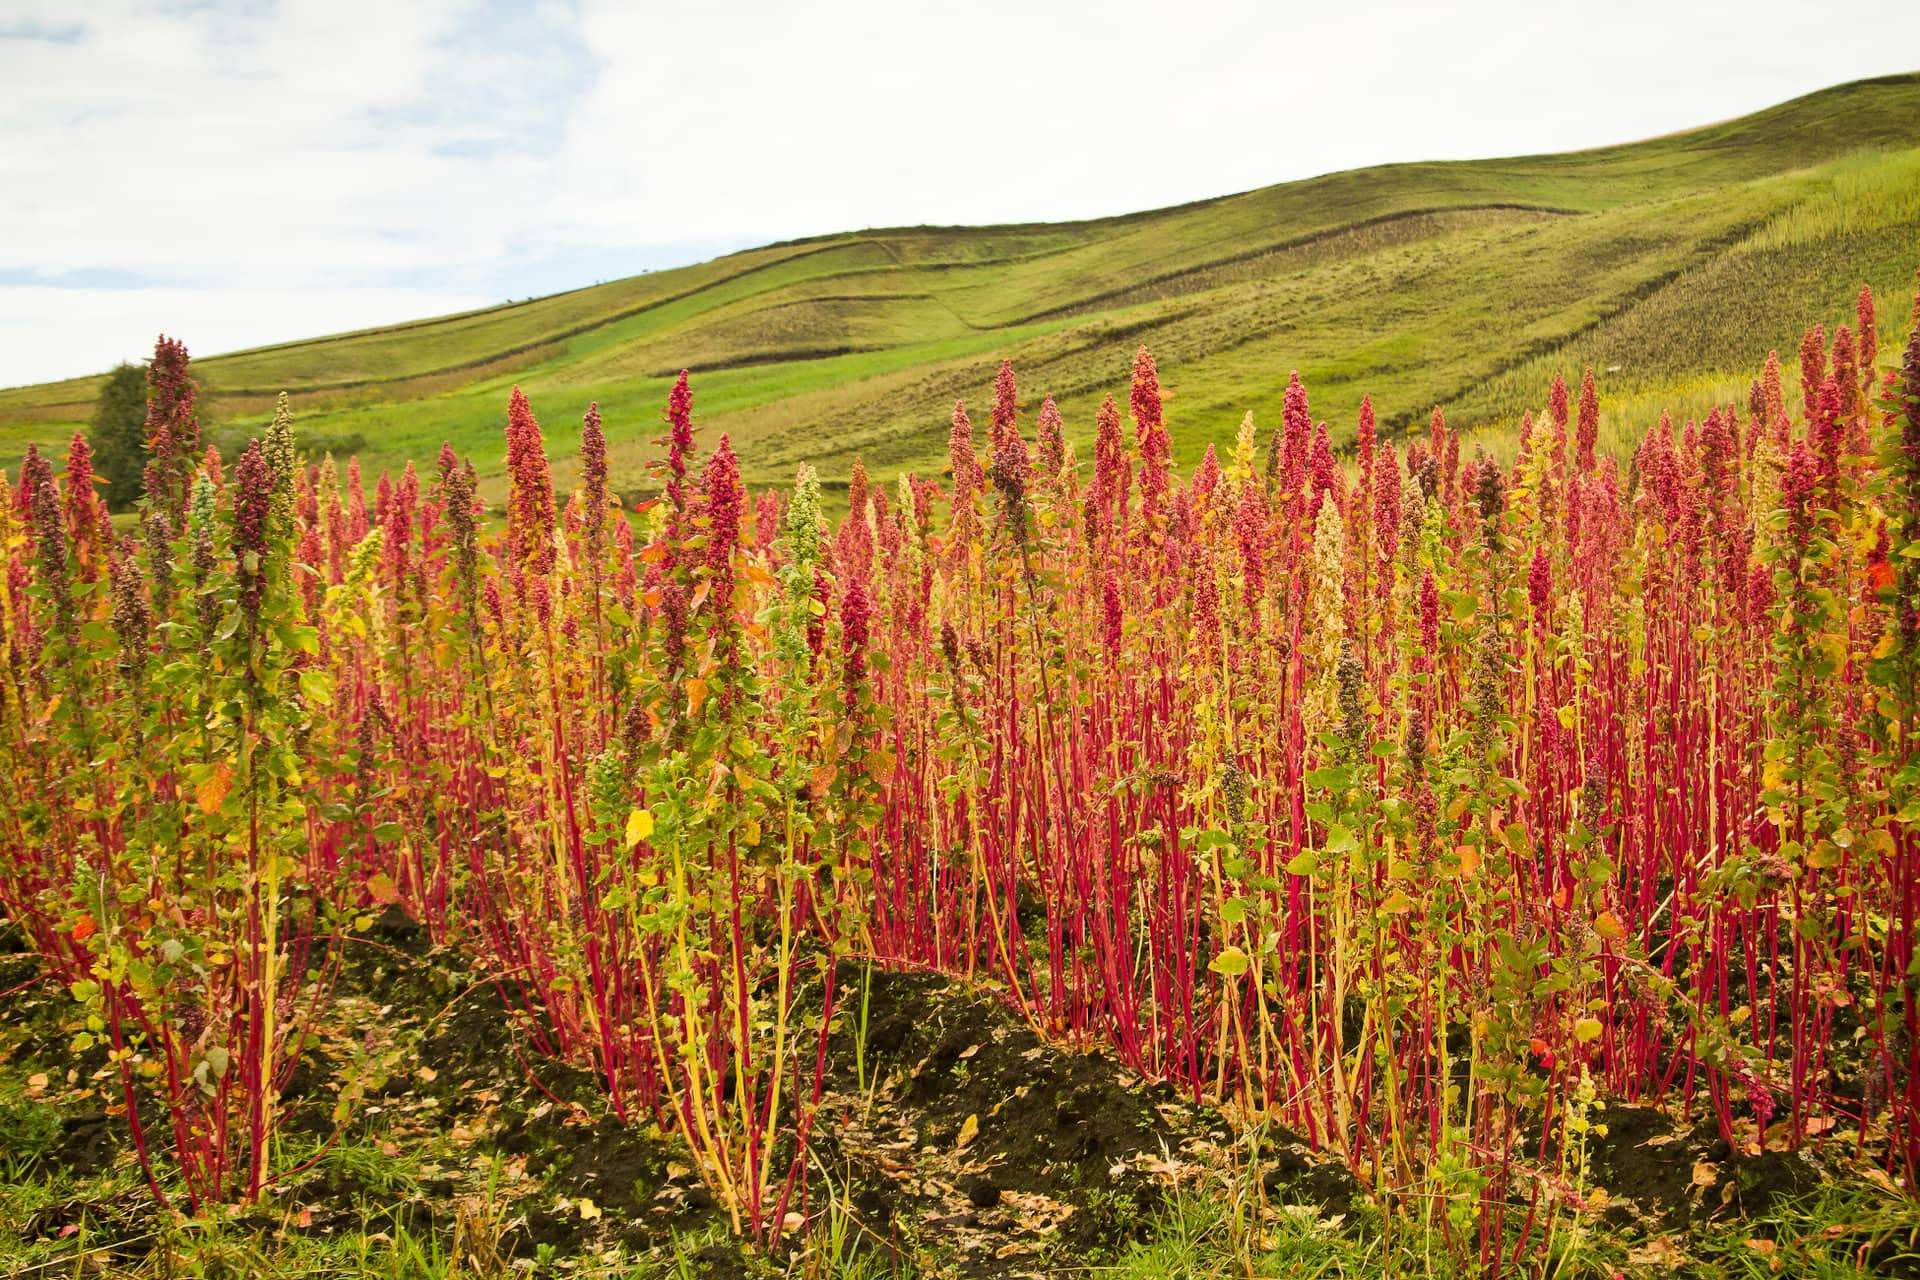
x: 462, y: 1074
x: 1012, y: 1152
x: 1666, y: 1174
x: 86, y: 1140
x: 972, y: 1147
x: 1293, y: 1173
x: 552, y: 1116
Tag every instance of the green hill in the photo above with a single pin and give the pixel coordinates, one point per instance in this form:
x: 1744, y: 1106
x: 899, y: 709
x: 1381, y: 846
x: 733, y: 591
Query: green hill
x: 1670, y: 265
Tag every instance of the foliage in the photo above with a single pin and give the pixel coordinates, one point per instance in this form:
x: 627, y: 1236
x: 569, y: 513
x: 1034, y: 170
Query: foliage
x: 1421, y: 806
x: 118, y: 435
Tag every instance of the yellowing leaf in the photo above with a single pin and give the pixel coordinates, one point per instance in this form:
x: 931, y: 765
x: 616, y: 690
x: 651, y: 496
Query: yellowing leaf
x: 969, y: 1130
x: 639, y: 826
x: 212, y: 791
x: 1230, y: 963
x: 380, y: 888
x: 696, y: 696
x: 1608, y: 926
x: 1586, y: 1029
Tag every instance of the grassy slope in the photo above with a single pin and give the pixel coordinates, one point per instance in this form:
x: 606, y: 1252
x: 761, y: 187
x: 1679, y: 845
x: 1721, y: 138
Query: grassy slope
x: 1671, y: 265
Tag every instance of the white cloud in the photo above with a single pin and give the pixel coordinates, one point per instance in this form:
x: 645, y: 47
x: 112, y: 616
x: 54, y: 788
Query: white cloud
x: 42, y: 328
x: 392, y: 155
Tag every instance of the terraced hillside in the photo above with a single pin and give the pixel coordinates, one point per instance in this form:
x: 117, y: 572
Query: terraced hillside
x: 1670, y: 265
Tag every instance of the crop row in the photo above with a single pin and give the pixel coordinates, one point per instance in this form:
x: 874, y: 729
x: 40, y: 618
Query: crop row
x: 1416, y: 803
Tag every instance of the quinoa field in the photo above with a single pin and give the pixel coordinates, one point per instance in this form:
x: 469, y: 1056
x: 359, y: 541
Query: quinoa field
x: 1119, y: 844
x: 1499, y: 856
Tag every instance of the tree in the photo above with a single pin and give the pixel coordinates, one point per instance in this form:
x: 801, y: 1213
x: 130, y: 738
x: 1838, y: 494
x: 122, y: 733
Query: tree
x: 118, y: 435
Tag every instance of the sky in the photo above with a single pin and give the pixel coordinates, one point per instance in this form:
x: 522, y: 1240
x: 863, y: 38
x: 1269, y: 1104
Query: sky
x: 239, y: 172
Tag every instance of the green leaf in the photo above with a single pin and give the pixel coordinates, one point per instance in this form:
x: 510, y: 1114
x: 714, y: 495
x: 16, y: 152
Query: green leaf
x: 1230, y: 963
x: 317, y: 688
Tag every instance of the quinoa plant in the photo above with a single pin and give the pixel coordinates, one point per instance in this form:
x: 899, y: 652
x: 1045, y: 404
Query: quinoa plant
x: 1424, y: 805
